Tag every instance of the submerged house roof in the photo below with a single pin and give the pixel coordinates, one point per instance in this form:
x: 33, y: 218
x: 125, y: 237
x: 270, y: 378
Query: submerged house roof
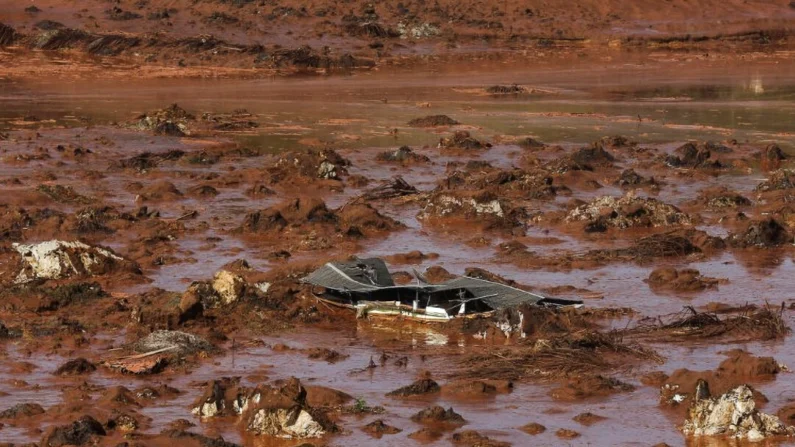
x: 372, y: 275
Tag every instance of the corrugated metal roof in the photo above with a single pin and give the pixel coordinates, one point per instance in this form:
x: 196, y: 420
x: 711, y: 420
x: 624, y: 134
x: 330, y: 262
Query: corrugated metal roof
x: 364, y: 275
x: 370, y: 275
x: 495, y: 295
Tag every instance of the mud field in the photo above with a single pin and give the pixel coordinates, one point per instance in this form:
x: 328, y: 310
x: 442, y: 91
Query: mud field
x: 171, y: 171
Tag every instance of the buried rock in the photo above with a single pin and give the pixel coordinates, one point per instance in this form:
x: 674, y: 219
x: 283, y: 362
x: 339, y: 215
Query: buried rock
x: 175, y: 342
x: 733, y: 414
x: 61, y: 259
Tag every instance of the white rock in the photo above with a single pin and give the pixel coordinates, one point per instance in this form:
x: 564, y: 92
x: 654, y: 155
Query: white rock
x: 61, y: 259
x: 733, y: 414
x: 285, y: 423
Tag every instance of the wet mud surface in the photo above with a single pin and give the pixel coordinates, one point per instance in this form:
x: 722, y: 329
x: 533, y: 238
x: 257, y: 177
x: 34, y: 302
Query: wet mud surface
x: 664, y: 205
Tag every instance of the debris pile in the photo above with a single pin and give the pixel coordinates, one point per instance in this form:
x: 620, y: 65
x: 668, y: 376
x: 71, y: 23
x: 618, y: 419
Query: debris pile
x: 282, y: 411
x: 324, y: 164
x: 389, y: 189
x: 781, y: 179
x: 689, y: 324
x: 721, y: 198
x: 462, y: 140
x: 734, y: 415
x: 403, y: 155
x: 525, y: 184
x: 171, y: 121
x: 486, y: 208
x: 626, y: 212
x: 62, y: 259
x: 506, y: 89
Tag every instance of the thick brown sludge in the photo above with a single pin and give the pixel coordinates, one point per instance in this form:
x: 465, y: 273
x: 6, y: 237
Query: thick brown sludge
x: 473, y: 223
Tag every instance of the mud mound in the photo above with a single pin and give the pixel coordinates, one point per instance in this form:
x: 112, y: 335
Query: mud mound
x: 462, y: 140
x: 533, y: 428
x: 325, y: 164
x: 23, y: 410
x: 690, y: 156
x: 418, y: 388
x: 583, y: 159
x: 403, y: 155
x: 379, y: 428
x: 476, y: 389
x: 76, y: 367
x: 588, y: 387
x: 525, y: 184
x: 177, y: 343
x: 588, y: 418
x: 60, y: 259
x: 359, y: 216
x: 595, y: 155
x: 685, y: 280
x: 530, y: 143
x: 616, y: 141
x: 782, y: 179
x: 484, y: 208
x: 764, y: 233
x: 630, y: 178
x: 83, y: 431
x: 433, y: 121
x: 438, y: 415
x: 160, y: 191
x: 626, y: 212
x: 471, y: 438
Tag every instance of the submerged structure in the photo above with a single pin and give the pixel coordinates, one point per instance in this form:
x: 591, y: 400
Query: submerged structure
x: 367, y: 285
